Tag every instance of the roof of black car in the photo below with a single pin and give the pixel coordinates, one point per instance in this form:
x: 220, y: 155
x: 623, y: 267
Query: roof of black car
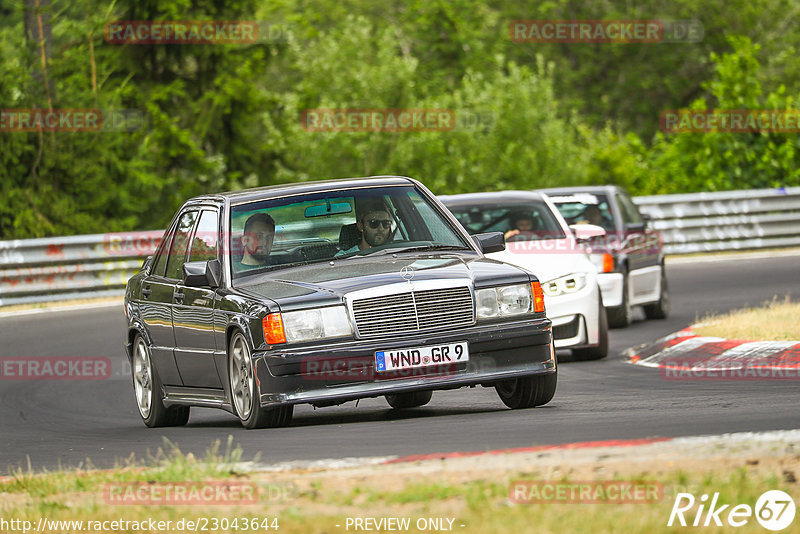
x: 258, y: 193
x: 505, y: 197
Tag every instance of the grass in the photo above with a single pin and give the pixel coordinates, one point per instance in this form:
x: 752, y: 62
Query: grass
x: 479, y: 504
x: 774, y: 321
x: 167, y: 464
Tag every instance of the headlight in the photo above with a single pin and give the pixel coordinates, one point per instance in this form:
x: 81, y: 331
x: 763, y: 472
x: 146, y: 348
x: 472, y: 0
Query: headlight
x: 565, y: 285
x: 305, y: 325
x: 503, y: 301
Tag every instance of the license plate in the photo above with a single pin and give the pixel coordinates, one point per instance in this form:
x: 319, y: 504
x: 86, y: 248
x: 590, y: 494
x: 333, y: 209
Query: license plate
x: 411, y: 358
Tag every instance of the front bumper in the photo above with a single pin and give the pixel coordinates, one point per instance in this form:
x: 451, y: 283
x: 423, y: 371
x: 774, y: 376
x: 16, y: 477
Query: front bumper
x: 611, y: 288
x: 575, y: 318
x: 340, y: 371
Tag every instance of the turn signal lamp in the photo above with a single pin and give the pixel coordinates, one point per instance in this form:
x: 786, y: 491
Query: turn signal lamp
x: 538, y: 297
x: 608, y: 262
x: 273, y: 329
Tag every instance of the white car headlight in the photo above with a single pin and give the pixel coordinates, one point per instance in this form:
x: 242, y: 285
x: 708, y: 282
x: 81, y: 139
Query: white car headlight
x: 564, y: 285
x: 503, y: 301
x: 305, y: 325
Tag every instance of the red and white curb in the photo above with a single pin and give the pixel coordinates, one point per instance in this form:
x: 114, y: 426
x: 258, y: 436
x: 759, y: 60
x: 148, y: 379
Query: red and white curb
x: 684, y: 354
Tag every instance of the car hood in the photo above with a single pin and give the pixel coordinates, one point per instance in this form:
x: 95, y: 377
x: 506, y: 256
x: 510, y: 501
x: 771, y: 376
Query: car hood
x: 329, y: 282
x: 547, y: 259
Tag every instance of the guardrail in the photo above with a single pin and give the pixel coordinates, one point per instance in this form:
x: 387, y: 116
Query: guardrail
x: 725, y: 220
x: 57, y: 268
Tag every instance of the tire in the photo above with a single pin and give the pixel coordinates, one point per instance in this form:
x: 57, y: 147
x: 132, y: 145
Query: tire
x: 659, y: 309
x: 147, y: 391
x: 244, y: 401
x: 622, y: 315
x: 601, y: 350
x: 527, y: 391
x: 413, y: 399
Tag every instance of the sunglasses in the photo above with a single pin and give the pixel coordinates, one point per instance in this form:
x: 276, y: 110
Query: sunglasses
x: 374, y: 223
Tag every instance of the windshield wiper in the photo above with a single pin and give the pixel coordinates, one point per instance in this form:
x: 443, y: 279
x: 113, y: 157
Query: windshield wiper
x: 416, y: 248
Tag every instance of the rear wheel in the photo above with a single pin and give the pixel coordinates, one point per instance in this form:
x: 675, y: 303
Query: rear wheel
x: 659, y: 309
x: 527, y: 391
x: 622, y: 315
x: 245, y: 402
x: 147, y: 389
x: 409, y: 400
x: 601, y: 350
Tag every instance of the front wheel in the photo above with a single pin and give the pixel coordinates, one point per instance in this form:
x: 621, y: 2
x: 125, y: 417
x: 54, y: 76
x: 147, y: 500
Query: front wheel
x: 659, y: 309
x: 413, y: 399
x: 527, y: 391
x: 147, y: 389
x: 245, y: 402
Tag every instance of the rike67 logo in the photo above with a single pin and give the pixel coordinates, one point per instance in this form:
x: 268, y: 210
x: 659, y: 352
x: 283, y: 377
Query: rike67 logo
x: 774, y: 511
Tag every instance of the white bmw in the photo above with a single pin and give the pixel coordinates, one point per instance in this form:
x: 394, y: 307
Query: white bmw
x: 539, y: 240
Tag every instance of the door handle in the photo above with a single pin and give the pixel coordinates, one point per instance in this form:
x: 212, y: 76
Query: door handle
x: 146, y: 291
x: 177, y: 295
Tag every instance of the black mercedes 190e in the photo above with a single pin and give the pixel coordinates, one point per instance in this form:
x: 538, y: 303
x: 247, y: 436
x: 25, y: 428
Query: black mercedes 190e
x: 326, y: 292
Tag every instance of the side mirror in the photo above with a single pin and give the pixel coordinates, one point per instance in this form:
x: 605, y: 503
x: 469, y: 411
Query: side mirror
x: 202, y: 274
x: 587, y: 232
x: 648, y: 220
x: 490, y: 242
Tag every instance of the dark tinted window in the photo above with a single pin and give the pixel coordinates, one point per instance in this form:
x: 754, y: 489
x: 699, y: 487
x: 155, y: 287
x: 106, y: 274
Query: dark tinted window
x: 629, y: 212
x: 177, y: 253
x: 585, y: 208
x: 204, y: 242
x: 160, y: 260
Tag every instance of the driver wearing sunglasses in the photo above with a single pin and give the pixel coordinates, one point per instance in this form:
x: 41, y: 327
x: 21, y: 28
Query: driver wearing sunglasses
x: 374, y: 226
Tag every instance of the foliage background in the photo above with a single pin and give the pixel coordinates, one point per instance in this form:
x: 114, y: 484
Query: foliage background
x: 223, y: 117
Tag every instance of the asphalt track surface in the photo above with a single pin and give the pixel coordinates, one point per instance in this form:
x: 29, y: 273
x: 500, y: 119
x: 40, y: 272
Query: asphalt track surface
x: 64, y: 423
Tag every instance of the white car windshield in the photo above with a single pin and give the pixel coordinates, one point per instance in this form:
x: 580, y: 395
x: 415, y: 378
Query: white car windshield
x: 534, y: 220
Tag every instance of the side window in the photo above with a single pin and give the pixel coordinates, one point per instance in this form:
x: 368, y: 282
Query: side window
x: 204, y: 243
x: 161, y: 254
x: 177, y: 252
x: 630, y: 215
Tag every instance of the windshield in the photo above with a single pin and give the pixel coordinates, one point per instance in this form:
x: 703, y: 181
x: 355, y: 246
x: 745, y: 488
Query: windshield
x: 532, y: 221
x: 278, y: 233
x: 585, y: 208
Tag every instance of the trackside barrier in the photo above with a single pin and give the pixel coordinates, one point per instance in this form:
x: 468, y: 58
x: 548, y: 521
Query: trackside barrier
x: 58, y: 268
x: 726, y: 220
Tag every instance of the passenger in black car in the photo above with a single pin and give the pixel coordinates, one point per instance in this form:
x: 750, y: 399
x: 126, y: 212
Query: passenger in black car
x: 257, y: 238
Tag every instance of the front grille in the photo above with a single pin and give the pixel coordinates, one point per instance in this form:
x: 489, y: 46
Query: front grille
x: 568, y: 330
x: 414, y: 311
